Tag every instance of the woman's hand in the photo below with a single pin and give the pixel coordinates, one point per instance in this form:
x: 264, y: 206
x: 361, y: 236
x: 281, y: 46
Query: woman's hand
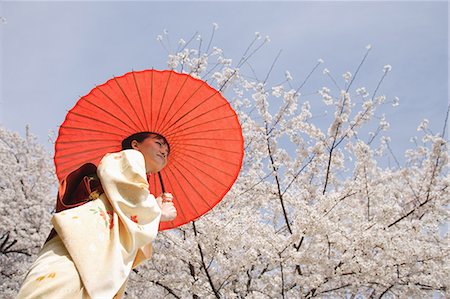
x: 168, y: 211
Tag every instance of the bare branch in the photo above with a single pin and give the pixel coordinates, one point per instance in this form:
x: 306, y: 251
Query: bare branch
x: 202, y: 257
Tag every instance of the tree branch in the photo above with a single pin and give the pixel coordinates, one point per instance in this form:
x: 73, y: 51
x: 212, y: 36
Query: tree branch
x: 216, y: 293
x: 385, y: 291
x: 282, y: 280
x: 277, y: 180
x: 428, y: 198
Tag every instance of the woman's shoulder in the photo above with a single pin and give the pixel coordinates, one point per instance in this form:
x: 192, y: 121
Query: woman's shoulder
x: 128, y: 154
x: 129, y: 160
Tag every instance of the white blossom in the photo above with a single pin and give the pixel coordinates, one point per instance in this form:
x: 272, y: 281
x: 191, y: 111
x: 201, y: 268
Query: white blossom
x: 384, y: 125
x: 27, y: 196
x: 173, y: 61
x: 224, y: 61
x: 380, y: 99
x: 347, y: 76
x: 395, y: 102
x: 217, y: 51
x: 423, y: 125
x: 327, y: 98
x: 290, y: 98
x: 385, y: 139
x: 288, y: 76
x: 387, y: 68
x: 277, y: 91
x: 311, y: 200
x: 362, y: 92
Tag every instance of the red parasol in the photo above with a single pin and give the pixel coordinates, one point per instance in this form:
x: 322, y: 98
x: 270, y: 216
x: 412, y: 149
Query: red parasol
x: 205, y: 137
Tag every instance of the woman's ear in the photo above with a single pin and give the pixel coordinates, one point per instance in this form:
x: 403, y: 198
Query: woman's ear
x: 134, y: 145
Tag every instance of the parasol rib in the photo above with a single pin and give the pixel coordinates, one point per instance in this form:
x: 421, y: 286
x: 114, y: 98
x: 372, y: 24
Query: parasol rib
x: 162, y: 99
x: 97, y: 120
x: 175, y: 199
x: 82, y: 151
x: 140, y: 100
x: 129, y: 102
x: 205, y: 154
x: 86, y: 140
x: 193, y: 187
x: 194, y: 118
x: 151, y: 100
x: 89, y: 130
x: 204, y: 123
x: 201, y: 182
x: 179, y: 108
x: 106, y: 111
x: 204, y: 131
x: 192, y: 109
x: 117, y: 105
x: 68, y: 148
x: 184, y: 191
x: 63, y: 171
x: 210, y: 147
x: 207, y: 174
x: 212, y: 139
x: 174, y: 99
x: 155, y: 183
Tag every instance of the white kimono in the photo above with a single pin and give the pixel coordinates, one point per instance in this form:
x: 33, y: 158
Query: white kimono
x: 104, y: 238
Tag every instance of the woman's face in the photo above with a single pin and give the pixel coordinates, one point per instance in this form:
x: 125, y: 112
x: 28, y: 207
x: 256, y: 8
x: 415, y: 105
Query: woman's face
x: 155, y: 153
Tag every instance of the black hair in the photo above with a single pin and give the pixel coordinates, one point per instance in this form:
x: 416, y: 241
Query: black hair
x: 141, y: 136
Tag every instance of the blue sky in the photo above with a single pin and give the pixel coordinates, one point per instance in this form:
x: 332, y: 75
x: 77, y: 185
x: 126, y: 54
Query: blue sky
x: 54, y: 52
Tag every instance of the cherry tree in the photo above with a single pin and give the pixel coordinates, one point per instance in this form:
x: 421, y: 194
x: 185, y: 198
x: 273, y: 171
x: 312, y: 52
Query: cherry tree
x: 27, y: 198
x: 312, y: 213
x: 315, y: 211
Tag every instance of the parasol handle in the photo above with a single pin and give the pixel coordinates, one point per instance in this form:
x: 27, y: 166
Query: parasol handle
x: 162, y: 184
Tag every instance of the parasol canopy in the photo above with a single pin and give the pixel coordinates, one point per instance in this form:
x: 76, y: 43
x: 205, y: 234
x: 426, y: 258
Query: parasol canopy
x: 203, y: 131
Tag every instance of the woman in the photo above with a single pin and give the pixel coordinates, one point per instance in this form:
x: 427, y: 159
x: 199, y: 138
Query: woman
x: 98, y: 243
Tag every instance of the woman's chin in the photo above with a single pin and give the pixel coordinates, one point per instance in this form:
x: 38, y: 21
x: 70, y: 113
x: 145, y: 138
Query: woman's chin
x: 153, y: 170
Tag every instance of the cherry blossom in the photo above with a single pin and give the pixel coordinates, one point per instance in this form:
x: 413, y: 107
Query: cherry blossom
x: 314, y: 212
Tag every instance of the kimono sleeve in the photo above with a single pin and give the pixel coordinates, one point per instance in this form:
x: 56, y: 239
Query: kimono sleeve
x: 124, y: 182
x: 113, y: 233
